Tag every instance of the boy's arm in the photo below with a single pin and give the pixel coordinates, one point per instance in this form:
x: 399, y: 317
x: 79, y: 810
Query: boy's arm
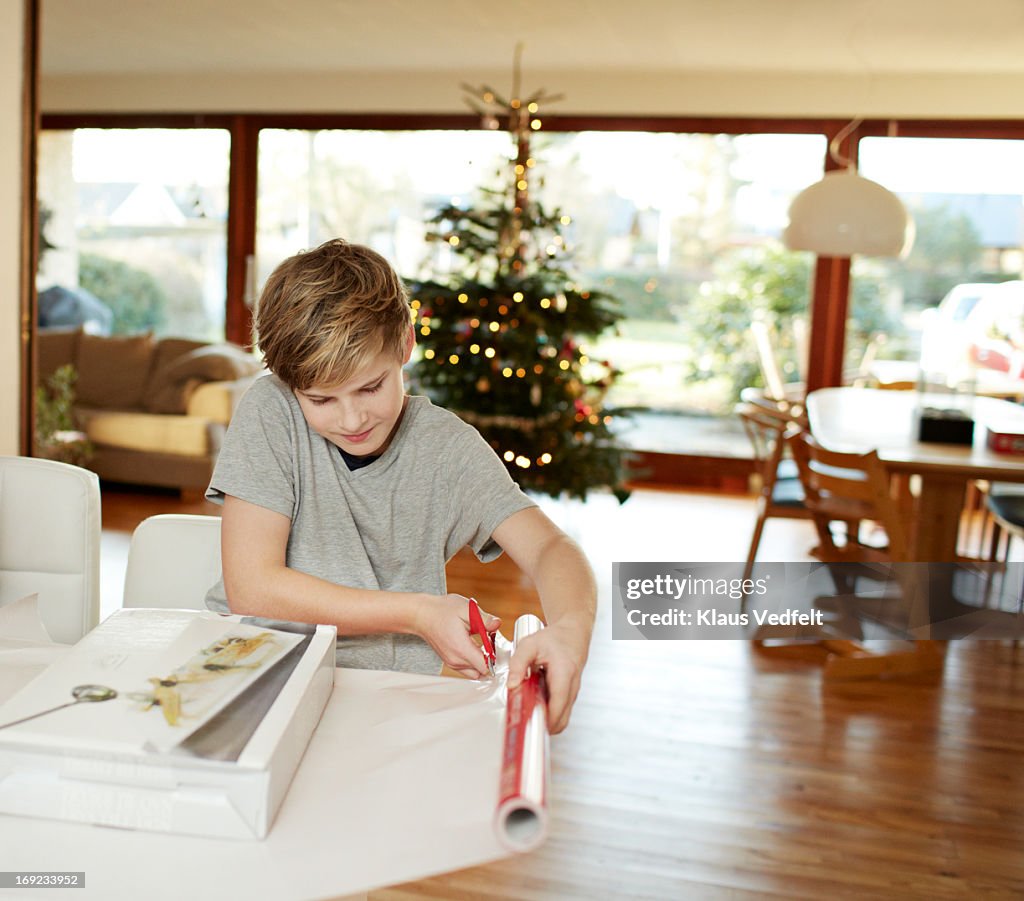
x: 568, y: 594
x: 258, y: 582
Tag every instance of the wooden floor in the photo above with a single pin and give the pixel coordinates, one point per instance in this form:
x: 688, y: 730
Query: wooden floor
x: 699, y: 770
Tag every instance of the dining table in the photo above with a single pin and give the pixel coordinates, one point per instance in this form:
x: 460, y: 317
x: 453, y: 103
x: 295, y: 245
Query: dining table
x: 860, y: 420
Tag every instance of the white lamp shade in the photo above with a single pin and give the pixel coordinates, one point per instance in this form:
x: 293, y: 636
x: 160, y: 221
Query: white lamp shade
x: 844, y: 214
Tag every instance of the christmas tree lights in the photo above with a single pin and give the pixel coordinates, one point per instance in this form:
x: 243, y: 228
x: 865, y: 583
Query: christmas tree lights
x: 500, y: 337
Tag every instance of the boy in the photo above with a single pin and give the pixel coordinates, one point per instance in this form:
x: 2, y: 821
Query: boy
x: 344, y: 498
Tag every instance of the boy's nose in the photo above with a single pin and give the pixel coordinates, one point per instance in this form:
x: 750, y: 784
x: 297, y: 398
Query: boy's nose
x: 351, y: 420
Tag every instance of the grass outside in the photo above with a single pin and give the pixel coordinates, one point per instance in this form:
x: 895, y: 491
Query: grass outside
x: 653, y: 357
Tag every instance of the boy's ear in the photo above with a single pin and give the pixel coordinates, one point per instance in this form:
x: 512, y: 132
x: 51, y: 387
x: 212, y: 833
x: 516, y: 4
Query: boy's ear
x: 410, y: 343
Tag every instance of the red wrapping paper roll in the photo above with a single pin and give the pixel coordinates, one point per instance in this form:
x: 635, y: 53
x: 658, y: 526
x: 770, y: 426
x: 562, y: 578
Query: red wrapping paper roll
x: 521, y: 820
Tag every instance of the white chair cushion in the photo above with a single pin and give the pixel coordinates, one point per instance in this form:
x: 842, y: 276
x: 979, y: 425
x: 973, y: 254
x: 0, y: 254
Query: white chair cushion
x: 50, y: 542
x: 174, y: 559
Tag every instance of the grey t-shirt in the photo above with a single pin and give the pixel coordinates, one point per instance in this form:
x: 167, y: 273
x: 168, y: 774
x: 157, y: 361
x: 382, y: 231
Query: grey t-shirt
x: 391, y: 525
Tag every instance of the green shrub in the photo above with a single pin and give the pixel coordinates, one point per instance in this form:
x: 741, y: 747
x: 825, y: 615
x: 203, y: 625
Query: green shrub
x: 138, y: 302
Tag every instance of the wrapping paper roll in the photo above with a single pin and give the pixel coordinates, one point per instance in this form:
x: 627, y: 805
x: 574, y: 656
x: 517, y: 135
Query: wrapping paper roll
x: 521, y: 820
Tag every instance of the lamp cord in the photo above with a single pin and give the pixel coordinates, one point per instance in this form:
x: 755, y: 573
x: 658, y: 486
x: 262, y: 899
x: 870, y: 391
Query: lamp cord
x: 842, y: 135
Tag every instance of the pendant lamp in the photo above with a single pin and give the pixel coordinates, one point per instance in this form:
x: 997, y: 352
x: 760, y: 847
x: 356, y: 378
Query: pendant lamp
x: 845, y: 213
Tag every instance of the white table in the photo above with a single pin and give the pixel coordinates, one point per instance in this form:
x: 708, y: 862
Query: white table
x: 399, y: 782
x: 863, y: 419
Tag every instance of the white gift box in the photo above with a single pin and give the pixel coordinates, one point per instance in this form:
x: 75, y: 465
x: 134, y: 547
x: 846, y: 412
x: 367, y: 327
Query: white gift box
x: 211, y: 717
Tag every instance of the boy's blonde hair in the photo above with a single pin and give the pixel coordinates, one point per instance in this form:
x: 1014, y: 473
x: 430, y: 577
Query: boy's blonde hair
x: 324, y: 312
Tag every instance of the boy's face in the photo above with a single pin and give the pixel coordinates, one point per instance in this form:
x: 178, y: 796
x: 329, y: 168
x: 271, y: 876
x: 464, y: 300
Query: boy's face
x: 360, y: 414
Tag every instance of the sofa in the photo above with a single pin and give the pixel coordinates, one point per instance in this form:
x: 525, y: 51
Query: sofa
x: 154, y: 409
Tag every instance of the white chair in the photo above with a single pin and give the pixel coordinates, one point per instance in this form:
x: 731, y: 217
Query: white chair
x: 173, y: 560
x: 50, y: 542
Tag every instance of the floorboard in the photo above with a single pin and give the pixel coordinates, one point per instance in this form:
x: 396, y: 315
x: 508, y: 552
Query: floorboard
x: 700, y: 770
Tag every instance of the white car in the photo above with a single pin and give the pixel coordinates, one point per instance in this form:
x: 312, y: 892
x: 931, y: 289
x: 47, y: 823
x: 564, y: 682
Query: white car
x: 949, y: 329
x: 996, y: 330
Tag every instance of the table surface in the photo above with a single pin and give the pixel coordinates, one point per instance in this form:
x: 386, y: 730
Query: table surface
x: 859, y: 420
x: 399, y: 782
x: 864, y: 419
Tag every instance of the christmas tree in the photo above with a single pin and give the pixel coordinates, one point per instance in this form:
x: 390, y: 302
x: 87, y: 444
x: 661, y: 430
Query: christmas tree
x: 500, y: 337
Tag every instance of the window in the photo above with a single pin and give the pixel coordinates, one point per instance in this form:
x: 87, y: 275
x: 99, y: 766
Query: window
x: 377, y: 188
x: 684, y: 229
x: 135, y: 223
x: 967, y: 200
x: 664, y: 222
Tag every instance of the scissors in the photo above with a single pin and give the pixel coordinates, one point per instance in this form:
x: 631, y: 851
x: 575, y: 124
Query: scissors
x: 476, y: 624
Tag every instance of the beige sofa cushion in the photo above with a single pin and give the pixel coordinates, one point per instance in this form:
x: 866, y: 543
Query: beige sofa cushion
x: 168, y: 434
x: 213, y: 401
x: 112, y: 370
x: 166, y: 352
x: 170, y: 388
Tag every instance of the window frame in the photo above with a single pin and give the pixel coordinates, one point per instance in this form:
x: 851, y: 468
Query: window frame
x: 829, y: 297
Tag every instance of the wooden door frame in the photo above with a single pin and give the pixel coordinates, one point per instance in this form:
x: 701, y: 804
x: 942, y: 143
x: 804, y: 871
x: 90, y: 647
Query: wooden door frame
x: 29, y: 215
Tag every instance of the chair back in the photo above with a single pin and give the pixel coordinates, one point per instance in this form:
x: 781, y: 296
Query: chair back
x: 50, y: 542
x: 766, y: 431
x: 770, y: 371
x: 173, y: 560
x: 791, y: 412
x: 898, y: 385
x: 848, y: 487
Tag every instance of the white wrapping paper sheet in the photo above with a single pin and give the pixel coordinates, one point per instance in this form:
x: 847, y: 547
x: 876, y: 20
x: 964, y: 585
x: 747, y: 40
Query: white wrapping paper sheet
x: 399, y: 782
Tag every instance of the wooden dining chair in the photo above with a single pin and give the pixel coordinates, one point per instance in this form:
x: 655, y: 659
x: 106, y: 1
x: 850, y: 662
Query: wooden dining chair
x: 844, y: 487
x: 1005, y: 505
x: 897, y: 385
x: 780, y: 493
x: 771, y: 371
x: 790, y: 410
x: 1000, y: 523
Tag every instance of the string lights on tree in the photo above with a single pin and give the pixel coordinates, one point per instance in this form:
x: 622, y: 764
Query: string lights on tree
x: 501, y: 336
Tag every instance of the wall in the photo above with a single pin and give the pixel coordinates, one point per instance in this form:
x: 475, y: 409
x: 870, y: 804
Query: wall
x: 633, y: 93
x: 12, y: 33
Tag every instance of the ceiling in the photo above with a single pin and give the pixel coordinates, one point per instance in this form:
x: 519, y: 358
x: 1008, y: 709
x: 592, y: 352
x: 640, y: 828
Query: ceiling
x: 785, y: 36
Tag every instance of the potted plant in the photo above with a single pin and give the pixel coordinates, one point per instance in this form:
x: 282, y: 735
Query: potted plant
x: 56, y: 437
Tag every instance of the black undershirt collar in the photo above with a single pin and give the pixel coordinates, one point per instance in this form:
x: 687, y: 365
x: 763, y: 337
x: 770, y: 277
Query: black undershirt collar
x: 353, y: 462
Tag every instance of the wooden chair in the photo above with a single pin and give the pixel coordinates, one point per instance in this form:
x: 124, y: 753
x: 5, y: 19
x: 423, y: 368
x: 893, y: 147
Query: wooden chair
x: 771, y: 371
x: 780, y: 493
x: 841, y: 487
x: 901, y: 385
x: 790, y: 410
x: 1004, y: 509
x: 998, y: 508
x: 768, y: 423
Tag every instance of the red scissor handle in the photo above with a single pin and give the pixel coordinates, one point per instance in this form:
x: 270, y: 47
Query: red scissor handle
x: 476, y: 624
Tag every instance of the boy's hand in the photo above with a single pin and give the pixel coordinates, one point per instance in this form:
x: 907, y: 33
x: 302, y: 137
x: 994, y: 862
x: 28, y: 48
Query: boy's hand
x: 443, y: 621
x: 561, y: 649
